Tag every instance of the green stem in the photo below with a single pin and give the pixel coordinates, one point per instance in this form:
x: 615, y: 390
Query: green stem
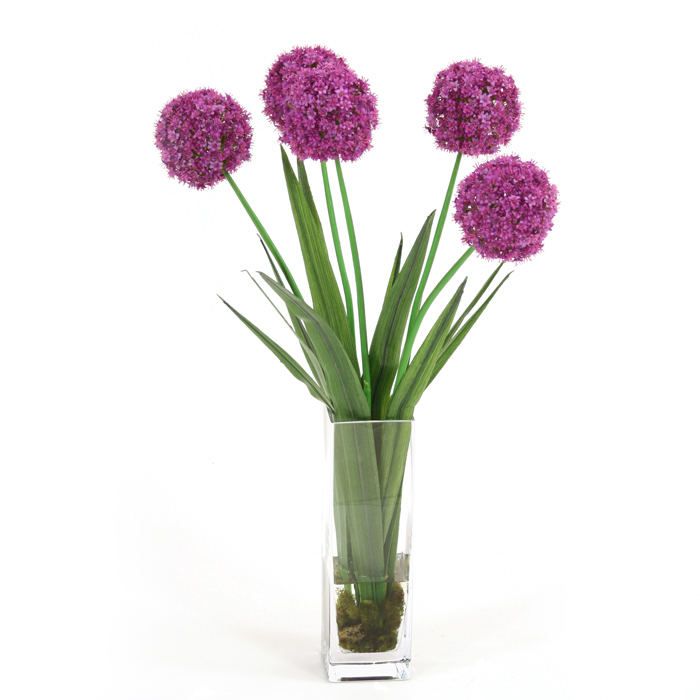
x: 441, y: 285
x: 436, y: 240
x: 264, y: 235
x: 358, y: 283
x: 338, y: 250
x: 414, y: 321
x: 413, y: 332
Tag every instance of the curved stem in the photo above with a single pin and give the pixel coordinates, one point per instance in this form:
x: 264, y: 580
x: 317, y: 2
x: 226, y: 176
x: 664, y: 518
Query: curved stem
x: 358, y: 283
x: 413, y: 331
x: 264, y: 235
x: 441, y: 285
x: 338, y: 250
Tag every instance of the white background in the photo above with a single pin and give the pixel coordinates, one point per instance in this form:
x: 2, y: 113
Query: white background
x: 160, y: 496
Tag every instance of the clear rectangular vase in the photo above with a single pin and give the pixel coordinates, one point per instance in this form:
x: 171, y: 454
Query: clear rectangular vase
x: 366, y: 550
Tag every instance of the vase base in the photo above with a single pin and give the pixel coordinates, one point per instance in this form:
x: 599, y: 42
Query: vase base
x: 378, y: 671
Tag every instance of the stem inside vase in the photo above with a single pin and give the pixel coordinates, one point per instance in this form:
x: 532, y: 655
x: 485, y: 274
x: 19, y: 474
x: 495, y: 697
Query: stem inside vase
x: 369, y: 463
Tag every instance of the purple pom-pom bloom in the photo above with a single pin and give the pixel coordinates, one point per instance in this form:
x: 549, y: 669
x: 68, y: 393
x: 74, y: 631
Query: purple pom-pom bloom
x: 505, y: 208
x: 473, y: 109
x: 285, y: 69
x: 322, y: 108
x: 201, y: 134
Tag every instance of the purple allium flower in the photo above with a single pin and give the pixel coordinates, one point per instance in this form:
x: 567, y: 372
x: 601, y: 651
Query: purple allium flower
x: 473, y: 109
x: 284, y: 69
x: 321, y: 107
x: 201, y: 134
x: 505, y: 208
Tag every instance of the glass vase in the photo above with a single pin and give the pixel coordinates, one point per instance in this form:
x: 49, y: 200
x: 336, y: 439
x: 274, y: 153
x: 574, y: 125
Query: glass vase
x: 366, y: 550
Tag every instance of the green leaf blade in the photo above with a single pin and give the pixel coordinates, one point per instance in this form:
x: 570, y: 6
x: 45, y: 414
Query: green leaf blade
x: 474, y: 301
x: 325, y: 294
x: 420, y: 370
x: 297, y: 326
x: 385, y: 350
x: 344, y: 387
x: 455, y: 339
x: 395, y: 269
x: 296, y: 370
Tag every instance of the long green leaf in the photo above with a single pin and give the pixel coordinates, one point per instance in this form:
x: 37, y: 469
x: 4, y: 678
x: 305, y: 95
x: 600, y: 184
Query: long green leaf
x: 325, y: 294
x: 391, y: 461
x: 473, y: 303
x: 420, y: 370
x: 385, y: 350
x: 302, y: 336
x: 297, y: 326
x: 284, y: 357
x: 273, y: 266
x: 306, y: 191
x: 395, y: 268
x: 357, y: 500
x: 358, y: 503
x: 343, y: 382
x: 459, y: 336
x: 267, y: 297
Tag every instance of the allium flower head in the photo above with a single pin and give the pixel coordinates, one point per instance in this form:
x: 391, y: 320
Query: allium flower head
x: 321, y: 107
x: 505, y: 208
x: 202, y: 133
x: 473, y: 109
x: 285, y: 69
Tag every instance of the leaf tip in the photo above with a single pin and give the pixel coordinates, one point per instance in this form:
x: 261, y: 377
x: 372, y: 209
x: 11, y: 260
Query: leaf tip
x: 226, y: 304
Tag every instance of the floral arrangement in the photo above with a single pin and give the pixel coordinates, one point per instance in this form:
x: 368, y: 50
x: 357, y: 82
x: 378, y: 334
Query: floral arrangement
x: 325, y: 112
